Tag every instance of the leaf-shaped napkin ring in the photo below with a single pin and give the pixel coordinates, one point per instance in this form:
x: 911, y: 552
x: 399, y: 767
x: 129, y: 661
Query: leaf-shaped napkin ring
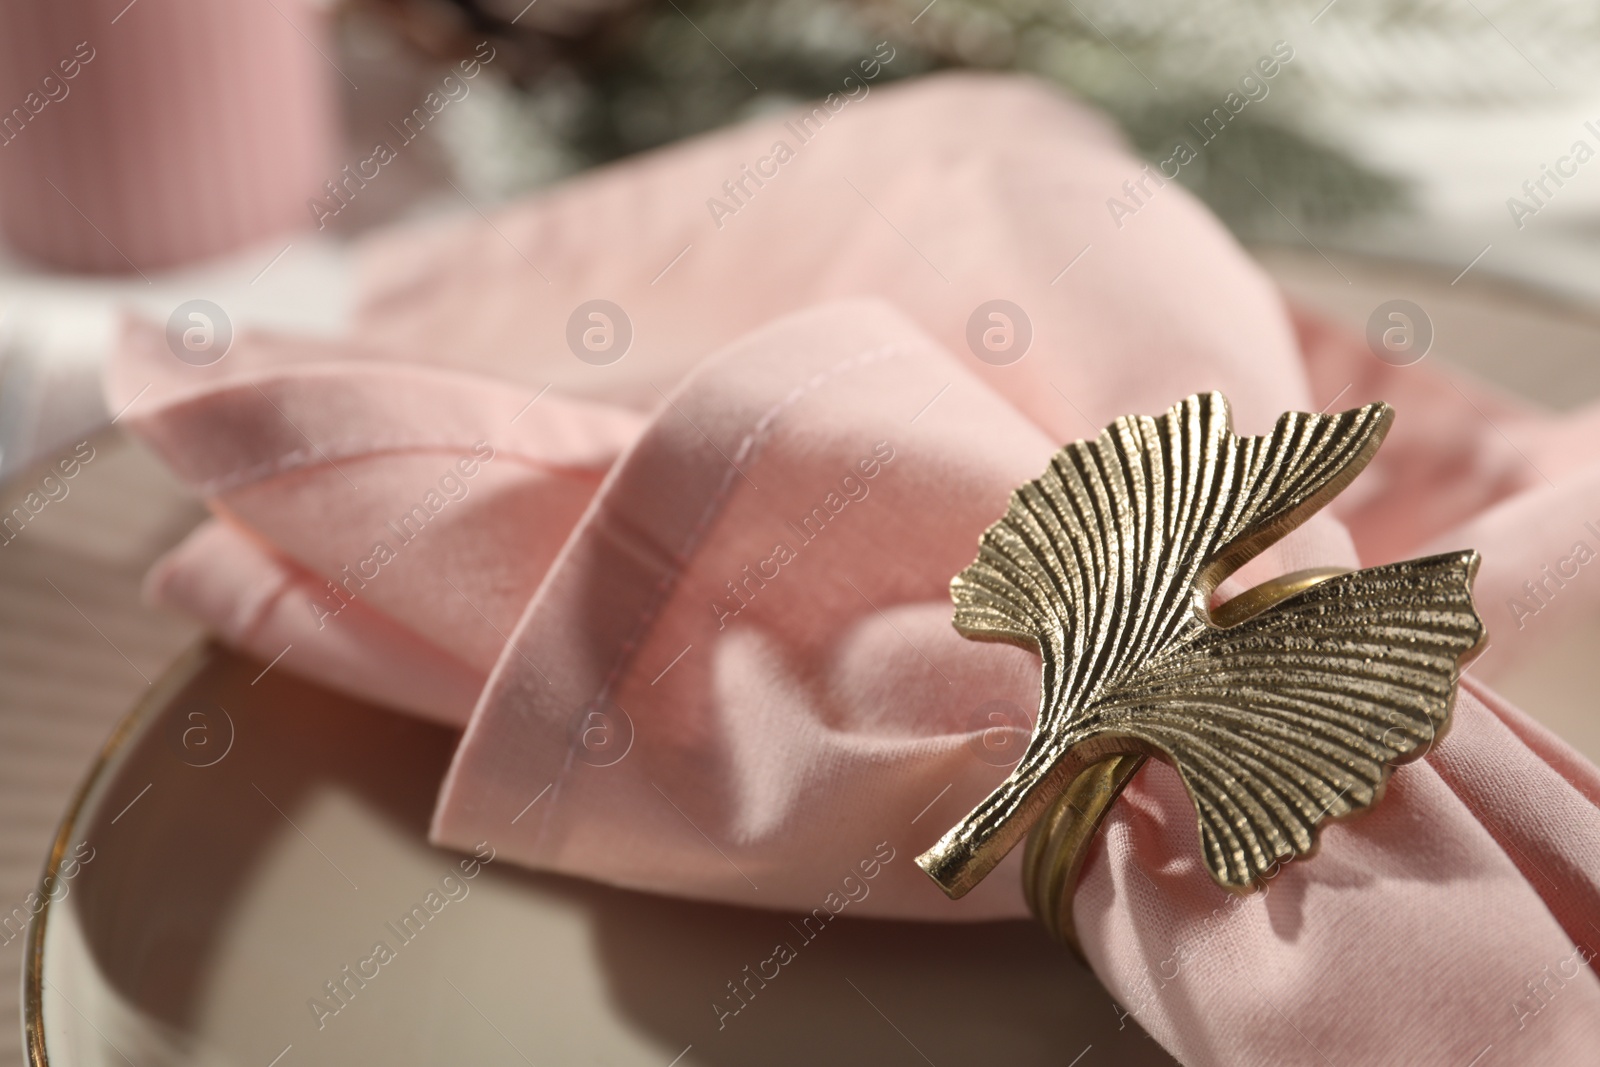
x: 1286, y: 706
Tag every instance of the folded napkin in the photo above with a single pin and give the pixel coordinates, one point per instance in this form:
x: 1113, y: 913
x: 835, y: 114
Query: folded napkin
x: 691, y: 606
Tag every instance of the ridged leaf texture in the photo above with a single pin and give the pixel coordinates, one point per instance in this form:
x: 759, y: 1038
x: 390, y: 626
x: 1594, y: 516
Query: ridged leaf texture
x: 1105, y: 564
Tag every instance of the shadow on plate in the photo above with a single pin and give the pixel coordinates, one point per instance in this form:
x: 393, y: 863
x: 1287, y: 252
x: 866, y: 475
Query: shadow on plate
x: 249, y: 843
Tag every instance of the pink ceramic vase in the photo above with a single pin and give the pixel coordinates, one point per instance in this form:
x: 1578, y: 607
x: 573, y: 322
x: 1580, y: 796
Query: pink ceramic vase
x: 138, y: 136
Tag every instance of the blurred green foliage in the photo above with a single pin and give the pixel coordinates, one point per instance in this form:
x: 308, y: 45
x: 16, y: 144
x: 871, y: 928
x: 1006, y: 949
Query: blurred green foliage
x: 644, y: 73
x: 671, y: 69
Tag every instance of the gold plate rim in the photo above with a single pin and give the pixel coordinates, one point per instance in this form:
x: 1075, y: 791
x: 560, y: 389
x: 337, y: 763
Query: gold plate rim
x: 180, y: 673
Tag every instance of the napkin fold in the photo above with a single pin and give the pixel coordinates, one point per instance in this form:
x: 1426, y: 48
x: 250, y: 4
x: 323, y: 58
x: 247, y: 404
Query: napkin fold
x: 691, y: 607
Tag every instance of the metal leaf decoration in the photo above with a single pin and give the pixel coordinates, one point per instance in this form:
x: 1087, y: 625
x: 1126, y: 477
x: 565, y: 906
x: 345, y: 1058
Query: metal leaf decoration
x: 1276, y: 717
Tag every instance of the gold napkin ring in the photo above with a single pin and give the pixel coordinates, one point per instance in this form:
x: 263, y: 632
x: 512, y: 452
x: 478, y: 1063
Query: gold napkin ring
x: 1281, y: 709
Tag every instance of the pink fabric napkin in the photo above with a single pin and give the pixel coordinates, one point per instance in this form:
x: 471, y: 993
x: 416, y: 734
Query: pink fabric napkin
x: 692, y: 606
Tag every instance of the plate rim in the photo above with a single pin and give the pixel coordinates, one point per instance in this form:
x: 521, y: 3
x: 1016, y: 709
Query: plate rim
x: 183, y: 670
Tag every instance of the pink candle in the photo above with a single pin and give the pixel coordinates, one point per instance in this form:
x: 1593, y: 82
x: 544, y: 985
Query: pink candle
x: 138, y: 136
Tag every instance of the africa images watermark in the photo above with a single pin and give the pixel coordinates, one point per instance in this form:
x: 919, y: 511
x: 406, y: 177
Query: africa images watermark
x: 53, y: 89
x: 1253, y: 88
x: 452, y: 488
x: 342, y: 989
x: 1566, y: 167
x: 852, y: 890
x: 1553, y: 578
x: 54, y: 890
x: 1544, y: 987
x: 52, y: 488
x: 356, y: 175
x: 804, y: 129
x: 1153, y: 981
x: 851, y: 489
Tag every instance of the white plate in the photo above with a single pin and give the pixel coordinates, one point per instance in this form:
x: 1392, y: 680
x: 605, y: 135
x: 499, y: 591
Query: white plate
x: 238, y: 845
